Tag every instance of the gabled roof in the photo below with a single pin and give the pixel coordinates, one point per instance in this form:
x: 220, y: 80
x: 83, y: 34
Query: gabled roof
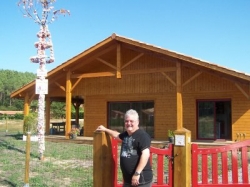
x: 108, y: 48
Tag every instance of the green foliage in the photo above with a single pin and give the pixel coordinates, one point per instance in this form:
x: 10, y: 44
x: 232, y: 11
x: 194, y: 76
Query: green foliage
x: 81, y: 115
x: 170, y: 133
x: 18, y: 116
x: 30, y: 123
x: 10, y: 81
x: 57, y: 109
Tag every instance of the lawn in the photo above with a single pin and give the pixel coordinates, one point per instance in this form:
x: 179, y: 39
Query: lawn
x: 65, y: 164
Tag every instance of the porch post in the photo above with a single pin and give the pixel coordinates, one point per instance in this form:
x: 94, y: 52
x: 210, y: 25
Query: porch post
x: 68, y: 104
x: 179, y: 97
x: 26, y: 105
x: 77, y: 105
x: 103, y: 169
x: 182, y: 147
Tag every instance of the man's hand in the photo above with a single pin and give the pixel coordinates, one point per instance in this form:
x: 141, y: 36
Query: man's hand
x: 101, y: 128
x: 135, y: 180
x: 112, y: 133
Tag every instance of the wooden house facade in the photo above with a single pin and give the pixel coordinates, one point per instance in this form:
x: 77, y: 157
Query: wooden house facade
x: 169, y: 90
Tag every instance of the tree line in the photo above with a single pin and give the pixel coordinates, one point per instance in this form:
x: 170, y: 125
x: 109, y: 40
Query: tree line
x: 12, y: 80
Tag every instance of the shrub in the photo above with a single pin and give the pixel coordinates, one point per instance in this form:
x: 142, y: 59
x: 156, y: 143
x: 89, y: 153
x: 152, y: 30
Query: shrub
x: 30, y: 123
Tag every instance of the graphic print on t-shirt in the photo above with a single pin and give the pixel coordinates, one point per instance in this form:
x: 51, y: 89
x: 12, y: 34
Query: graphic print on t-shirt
x: 127, y: 148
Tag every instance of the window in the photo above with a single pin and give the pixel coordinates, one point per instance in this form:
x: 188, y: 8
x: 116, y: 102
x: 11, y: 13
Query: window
x: 214, y: 119
x: 145, y: 109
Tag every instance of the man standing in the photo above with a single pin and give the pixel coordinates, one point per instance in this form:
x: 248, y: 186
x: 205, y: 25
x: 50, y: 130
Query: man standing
x: 135, y: 151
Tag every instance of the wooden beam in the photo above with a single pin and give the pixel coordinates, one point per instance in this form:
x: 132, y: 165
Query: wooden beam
x: 131, y: 61
x: 92, y: 75
x: 242, y: 91
x: 62, y: 87
x: 76, y: 84
x: 32, y: 97
x: 118, y: 61
x: 86, y: 60
x: 169, y: 79
x: 88, y: 52
x: 68, y: 104
x: 125, y: 72
x: 179, y: 97
x: 192, y: 78
x: 106, y: 63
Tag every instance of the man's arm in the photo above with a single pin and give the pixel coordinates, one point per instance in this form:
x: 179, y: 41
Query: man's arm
x: 112, y: 133
x: 143, y: 160
x: 142, y: 163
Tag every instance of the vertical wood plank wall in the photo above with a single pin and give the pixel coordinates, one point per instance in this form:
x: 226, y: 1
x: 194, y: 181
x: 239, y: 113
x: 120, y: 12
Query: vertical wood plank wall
x: 154, y: 86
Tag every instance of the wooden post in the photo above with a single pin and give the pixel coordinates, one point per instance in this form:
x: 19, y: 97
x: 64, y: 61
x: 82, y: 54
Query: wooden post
x: 77, y: 105
x: 68, y: 104
x: 179, y: 97
x: 103, y: 162
x: 26, y: 108
x: 27, y: 161
x: 26, y: 105
x: 182, y: 158
x: 118, y: 61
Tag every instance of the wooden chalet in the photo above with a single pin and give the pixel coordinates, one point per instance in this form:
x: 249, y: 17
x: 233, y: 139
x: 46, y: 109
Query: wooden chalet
x: 169, y: 90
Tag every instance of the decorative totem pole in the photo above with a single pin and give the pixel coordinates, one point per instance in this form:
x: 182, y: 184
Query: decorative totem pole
x: 44, y: 43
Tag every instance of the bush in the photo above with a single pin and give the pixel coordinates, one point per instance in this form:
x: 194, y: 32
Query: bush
x: 81, y: 115
x: 30, y: 123
x: 18, y: 116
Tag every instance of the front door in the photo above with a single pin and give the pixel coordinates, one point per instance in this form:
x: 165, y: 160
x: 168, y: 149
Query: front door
x: 214, y: 119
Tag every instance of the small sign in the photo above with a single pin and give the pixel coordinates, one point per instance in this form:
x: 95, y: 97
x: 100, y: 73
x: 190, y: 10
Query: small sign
x: 180, y: 140
x: 41, y: 86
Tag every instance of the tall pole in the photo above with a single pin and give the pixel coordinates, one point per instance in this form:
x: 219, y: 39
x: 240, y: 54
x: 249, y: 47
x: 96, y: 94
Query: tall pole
x: 41, y: 83
x: 44, y: 42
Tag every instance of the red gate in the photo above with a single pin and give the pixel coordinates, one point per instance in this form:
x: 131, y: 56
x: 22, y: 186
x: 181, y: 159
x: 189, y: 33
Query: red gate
x: 221, y: 166
x: 161, y: 161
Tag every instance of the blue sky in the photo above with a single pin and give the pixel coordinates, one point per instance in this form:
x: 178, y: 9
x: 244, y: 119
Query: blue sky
x: 217, y: 31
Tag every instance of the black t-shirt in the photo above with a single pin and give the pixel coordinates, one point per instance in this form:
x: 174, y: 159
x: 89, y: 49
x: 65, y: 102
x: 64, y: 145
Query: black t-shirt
x: 132, y: 147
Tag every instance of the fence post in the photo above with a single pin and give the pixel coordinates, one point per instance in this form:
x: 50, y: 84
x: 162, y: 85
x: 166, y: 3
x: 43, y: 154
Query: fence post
x: 27, y: 161
x: 182, y: 158
x: 103, y: 161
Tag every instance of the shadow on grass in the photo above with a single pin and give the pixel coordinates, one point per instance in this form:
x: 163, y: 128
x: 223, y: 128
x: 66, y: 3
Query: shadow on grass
x: 7, y: 145
x: 18, y: 136
x: 6, y: 182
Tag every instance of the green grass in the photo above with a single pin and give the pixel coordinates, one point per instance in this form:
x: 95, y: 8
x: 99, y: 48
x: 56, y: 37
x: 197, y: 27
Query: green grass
x: 65, y: 164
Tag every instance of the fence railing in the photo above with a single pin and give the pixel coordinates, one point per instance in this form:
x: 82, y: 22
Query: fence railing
x: 221, y: 166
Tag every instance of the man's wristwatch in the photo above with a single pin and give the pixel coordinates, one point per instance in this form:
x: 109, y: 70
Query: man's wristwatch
x: 136, y: 173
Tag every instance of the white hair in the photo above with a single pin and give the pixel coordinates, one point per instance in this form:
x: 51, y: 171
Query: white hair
x: 132, y: 112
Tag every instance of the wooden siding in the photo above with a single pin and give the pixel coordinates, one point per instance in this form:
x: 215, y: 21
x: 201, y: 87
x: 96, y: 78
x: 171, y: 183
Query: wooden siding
x: 155, y: 86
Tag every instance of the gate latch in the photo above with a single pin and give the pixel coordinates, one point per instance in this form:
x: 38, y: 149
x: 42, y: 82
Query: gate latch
x: 171, y: 157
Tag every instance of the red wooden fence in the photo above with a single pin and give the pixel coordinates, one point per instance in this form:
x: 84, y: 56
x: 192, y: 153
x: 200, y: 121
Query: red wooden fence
x: 161, y: 163
x: 221, y: 166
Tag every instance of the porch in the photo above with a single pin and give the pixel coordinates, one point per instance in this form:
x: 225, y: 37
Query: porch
x: 154, y: 143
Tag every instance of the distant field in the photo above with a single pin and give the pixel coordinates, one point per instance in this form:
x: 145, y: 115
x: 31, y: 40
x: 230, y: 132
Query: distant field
x: 17, y: 125
x: 11, y: 125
